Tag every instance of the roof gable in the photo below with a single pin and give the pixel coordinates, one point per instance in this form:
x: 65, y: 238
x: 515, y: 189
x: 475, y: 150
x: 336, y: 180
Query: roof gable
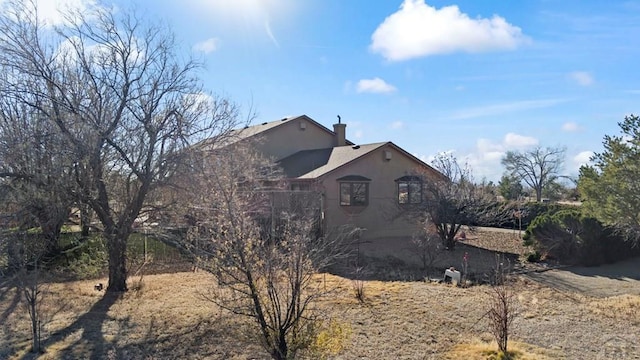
x: 311, y: 164
x: 265, y: 127
x: 261, y: 131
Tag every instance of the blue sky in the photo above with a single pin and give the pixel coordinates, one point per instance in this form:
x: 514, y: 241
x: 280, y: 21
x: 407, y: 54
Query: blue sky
x: 477, y: 78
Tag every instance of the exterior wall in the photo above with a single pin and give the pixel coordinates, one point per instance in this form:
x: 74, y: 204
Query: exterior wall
x: 381, y: 217
x: 294, y: 135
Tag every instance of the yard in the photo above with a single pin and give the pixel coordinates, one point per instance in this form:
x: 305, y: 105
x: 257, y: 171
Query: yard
x: 166, y: 316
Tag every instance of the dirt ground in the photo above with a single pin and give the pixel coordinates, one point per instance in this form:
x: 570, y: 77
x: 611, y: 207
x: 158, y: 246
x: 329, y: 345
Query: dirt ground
x: 597, y: 281
x: 600, y: 281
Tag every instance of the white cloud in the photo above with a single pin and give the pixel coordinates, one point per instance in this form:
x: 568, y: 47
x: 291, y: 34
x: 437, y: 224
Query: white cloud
x: 375, y: 85
x: 70, y: 49
x: 201, y: 102
x: 514, y: 141
x: 485, y: 145
x: 582, y: 78
x: 582, y: 158
x: 571, y: 127
x: 396, y: 125
x: 498, y: 109
x: 54, y: 12
x: 485, y: 159
x: 207, y: 46
x: 418, y: 29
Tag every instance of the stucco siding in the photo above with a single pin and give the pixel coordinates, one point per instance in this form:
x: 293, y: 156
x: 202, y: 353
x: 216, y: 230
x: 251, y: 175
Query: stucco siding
x: 381, y: 217
x: 293, y: 136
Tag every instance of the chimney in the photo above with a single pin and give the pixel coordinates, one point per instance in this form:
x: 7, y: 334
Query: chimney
x: 340, y: 130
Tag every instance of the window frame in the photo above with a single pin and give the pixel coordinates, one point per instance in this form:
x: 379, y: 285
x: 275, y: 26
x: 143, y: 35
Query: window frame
x: 412, y: 185
x: 356, y: 187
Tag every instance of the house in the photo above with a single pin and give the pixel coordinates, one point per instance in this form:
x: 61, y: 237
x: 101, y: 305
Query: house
x: 365, y: 185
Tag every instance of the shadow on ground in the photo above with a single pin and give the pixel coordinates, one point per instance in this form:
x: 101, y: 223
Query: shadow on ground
x: 481, y: 265
x: 92, y: 340
x: 599, y: 281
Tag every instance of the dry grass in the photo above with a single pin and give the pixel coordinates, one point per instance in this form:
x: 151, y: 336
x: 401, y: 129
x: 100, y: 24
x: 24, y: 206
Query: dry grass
x: 484, y: 350
x: 508, y: 241
x: 623, y: 308
x: 167, y: 317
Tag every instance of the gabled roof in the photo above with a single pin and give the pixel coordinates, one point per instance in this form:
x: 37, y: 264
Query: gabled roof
x: 265, y: 127
x: 310, y: 164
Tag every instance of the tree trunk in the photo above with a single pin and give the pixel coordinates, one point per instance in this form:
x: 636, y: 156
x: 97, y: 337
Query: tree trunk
x: 117, y: 247
x: 15, y: 254
x: 51, y: 232
x: 281, y: 351
x: 51, y: 218
x: 85, y: 221
x: 448, y: 233
x: 450, y: 243
x: 35, y: 322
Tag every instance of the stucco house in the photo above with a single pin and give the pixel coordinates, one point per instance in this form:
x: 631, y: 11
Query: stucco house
x: 361, y: 184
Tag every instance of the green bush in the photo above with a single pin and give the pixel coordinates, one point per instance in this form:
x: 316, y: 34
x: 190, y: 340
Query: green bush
x: 534, y: 256
x: 83, y: 259
x: 573, y: 238
x: 530, y: 210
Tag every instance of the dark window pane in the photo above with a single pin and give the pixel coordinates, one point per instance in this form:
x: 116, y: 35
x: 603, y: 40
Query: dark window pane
x: 415, y: 193
x: 354, y: 194
x: 359, y: 195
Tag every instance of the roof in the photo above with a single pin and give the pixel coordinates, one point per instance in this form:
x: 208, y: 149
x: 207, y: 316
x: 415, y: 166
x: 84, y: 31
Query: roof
x: 253, y: 130
x: 310, y: 164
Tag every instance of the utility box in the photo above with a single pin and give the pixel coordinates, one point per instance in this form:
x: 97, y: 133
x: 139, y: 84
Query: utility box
x: 451, y: 275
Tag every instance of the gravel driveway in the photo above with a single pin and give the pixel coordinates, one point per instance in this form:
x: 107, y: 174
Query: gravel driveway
x: 600, y: 281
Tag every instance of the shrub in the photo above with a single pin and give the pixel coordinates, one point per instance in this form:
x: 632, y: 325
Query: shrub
x: 331, y: 339
x: 85, y: 259
x: 571, y: 237
x: 502, y: 309
x: 529, y: 210
x: 534, y: 256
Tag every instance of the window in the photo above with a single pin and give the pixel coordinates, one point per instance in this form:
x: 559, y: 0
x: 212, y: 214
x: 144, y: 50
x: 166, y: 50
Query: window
x: 354, y: 190
x: 409, y: 190
x: 300, y: 187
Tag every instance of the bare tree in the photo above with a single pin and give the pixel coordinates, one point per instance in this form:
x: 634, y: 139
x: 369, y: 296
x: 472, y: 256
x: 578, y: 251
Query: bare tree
x: 27, y: 276
x: 30, y: 285
x: 124, y: 102
x: 426, y: 244
x: 452, y: 202
x: 37, y: 177
x: 503, y: 308
x: 263, y: 245
x: 538, y: 168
